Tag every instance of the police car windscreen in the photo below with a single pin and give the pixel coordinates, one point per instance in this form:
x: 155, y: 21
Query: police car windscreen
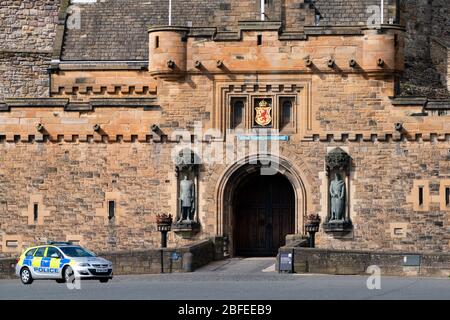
x: 77, y: 252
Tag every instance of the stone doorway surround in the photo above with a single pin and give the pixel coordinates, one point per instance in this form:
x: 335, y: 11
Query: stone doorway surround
x: 236, y: 172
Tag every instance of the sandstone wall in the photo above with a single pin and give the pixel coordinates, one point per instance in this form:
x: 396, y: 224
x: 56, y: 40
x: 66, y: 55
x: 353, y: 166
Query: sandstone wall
x: 27, y: 32
x: 72, y: 183
x: 74, y: 172
x: 423, y: 20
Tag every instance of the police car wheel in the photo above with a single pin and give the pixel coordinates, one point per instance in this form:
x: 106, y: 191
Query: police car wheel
x: 25, y: 276
x: 104, y: 280
x: 69, y: 275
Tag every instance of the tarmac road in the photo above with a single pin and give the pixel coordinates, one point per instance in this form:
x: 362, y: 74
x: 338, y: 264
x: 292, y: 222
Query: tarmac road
x: 234, y: 279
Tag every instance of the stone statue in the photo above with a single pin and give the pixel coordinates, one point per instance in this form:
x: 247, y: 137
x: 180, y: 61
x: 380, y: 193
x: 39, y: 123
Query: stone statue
x: 337, y: 193
x: 187, y: 200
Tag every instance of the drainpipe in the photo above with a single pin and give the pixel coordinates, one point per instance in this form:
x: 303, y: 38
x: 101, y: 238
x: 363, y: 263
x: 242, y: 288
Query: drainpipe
x: 170, y: 12
x: 263, y: 10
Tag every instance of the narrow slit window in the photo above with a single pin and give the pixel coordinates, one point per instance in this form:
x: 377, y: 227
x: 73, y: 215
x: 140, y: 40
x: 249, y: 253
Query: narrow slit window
x: 259, y: 39
x: 420, y: 196
x: 447, y: 196
x: 12, y: 243
x: 286, y: 110
x: 238, y: 107
x: 157, y: 42
x: 111, y: 209
x: 35, y: 212
x: 286, y: 114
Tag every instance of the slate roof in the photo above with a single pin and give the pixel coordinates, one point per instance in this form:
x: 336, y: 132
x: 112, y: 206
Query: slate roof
x: 117, y: 29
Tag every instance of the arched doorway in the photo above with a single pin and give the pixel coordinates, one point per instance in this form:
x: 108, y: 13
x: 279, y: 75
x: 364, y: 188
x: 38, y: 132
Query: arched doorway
x: 234, y: 177
x: 264, y: 213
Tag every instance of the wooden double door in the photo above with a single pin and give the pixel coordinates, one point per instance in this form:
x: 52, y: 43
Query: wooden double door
x: 264, y: 213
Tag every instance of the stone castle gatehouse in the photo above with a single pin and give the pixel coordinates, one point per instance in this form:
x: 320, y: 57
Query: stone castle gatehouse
x: 238, y: 123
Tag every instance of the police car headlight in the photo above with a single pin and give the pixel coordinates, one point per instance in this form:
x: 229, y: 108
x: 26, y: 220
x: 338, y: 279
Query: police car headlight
x: 83, y: 264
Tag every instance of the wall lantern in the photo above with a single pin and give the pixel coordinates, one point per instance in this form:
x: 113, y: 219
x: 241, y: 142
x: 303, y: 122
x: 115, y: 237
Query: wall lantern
x: 164, y: 225
x: 312, y: 227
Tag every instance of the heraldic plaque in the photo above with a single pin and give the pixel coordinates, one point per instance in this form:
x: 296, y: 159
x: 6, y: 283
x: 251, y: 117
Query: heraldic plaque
x: 263, y: 113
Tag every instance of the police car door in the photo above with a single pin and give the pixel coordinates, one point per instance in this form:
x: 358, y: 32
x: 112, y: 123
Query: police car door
x: 37, y: 270
x: 51, y: 263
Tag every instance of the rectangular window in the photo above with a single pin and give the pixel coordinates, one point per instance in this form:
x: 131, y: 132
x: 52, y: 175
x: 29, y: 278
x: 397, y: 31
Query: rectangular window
x: 420, y: 196
x: 286, y: 112
x: 259, y: 39
x: 12, y: 243
x: 447, y: 196
x: 35, y: 212
x: 111, y: 209
x: 237, y: 113
x: 157, y: 42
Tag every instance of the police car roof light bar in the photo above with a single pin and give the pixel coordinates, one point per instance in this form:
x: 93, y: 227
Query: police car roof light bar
x: 60, y: 242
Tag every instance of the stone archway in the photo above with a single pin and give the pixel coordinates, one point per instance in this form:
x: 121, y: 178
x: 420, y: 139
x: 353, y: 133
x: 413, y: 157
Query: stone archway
x: 237, y: 173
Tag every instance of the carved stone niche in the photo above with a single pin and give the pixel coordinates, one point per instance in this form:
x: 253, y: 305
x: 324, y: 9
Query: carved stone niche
x: 187, y: 165
x: 338, y: 222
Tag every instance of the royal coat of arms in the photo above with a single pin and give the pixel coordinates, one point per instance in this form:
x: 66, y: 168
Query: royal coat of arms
x: 263, y: 115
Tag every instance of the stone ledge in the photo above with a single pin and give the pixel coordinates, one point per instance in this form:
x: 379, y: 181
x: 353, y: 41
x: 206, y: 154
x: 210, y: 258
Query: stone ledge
x: 438, y: 105
x: 68, y: 65
x: 408, y: 101
x: 26, y: 51
x: 291, y: 36
x: 260, y: 25
x: 335, y: 30
x: 36, y: 103
x: 428, y: 104
x: 147, y: 103
x: 356, y: 262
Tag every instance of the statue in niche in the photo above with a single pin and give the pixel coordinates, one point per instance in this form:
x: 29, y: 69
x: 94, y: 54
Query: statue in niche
x: 337, y: 195
x: 187, y: 200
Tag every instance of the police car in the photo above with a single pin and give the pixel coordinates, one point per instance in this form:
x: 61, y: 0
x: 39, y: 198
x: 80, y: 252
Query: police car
x: 63, y: 262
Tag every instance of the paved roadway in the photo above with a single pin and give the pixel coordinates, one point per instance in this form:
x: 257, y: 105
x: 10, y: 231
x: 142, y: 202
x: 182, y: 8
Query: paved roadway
x: 236, y: 279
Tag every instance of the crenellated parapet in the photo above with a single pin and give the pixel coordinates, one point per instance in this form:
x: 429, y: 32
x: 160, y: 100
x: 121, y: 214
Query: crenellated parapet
x: 79, y: 85
x: 260, y: 47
